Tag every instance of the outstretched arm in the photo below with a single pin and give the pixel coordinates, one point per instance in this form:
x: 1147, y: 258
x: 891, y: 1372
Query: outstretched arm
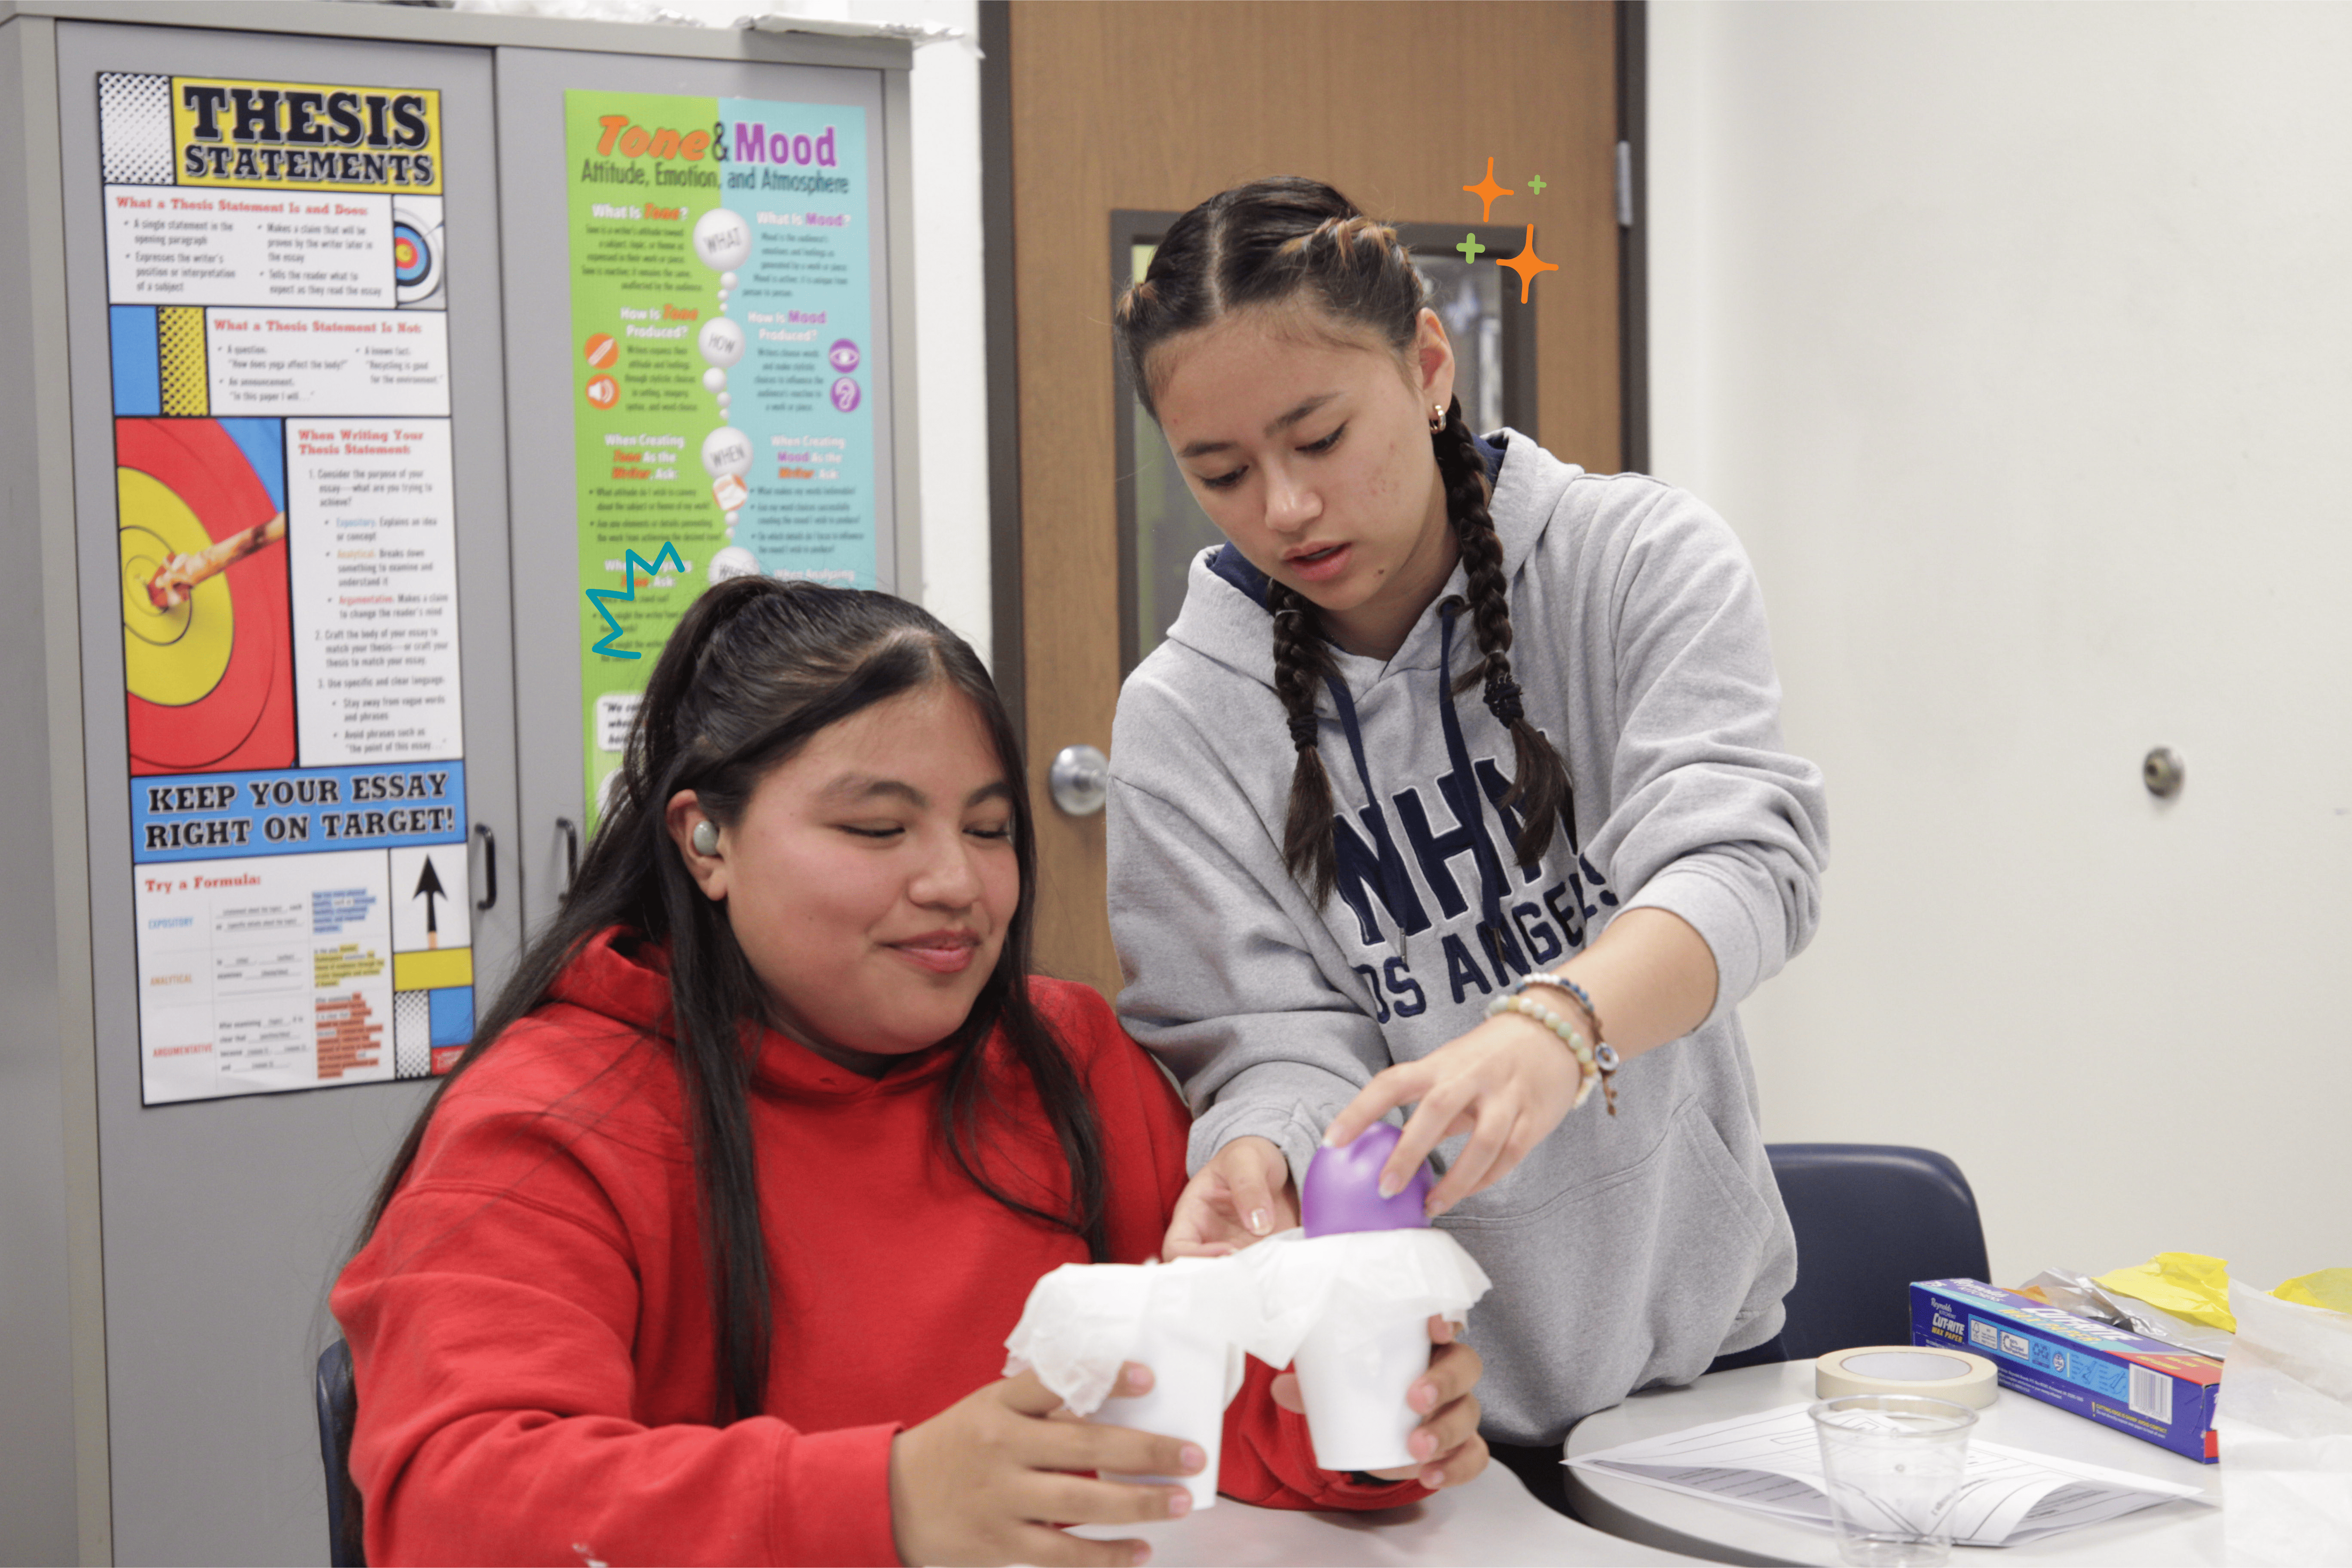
x: 1509, y: 1081
x: 1716, y: 825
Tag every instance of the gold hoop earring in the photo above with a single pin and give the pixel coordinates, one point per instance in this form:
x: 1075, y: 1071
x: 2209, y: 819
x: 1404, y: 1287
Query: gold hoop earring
x: 1436, y: 418
x: 706, y: 837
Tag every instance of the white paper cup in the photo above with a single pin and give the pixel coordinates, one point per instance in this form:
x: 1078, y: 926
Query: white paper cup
x: 1355, y: 1391
x: 1187, y: 1401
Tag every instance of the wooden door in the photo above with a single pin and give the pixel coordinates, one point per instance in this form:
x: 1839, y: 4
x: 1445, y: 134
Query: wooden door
x: 1158, y: 104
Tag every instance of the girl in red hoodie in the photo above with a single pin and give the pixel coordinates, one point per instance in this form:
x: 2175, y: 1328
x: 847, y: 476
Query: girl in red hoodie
x: 709, y: 1252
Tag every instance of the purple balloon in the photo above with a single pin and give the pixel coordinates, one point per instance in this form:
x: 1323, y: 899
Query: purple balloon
x: 1343, y: 1188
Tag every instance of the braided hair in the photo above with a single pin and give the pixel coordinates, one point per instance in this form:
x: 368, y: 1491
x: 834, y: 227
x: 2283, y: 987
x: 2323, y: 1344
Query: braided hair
x: 1289, y: 241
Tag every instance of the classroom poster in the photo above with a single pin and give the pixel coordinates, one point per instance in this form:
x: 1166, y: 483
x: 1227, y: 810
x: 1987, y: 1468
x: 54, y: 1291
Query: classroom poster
x: 723, y: 330
x: 287, y: 537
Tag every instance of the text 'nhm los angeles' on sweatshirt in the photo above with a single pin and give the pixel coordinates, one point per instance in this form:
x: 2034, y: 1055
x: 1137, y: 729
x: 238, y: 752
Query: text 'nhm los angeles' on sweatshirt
x: 531, y: 1323
x: 1624, y: 1251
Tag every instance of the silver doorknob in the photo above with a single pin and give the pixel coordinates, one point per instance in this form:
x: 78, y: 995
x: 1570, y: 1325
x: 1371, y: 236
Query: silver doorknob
x: 1079, y: 780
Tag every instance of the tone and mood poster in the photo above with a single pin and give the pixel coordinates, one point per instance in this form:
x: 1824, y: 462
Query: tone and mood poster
x: 723, y: 330
x: 288, y: 579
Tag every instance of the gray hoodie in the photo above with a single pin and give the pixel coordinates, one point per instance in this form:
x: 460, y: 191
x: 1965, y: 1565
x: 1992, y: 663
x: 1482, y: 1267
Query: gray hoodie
x: 1624, y: 1251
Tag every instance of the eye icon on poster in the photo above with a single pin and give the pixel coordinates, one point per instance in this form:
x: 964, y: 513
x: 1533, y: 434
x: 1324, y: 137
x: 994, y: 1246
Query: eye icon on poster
x: 603, y: 391
x: 845, y: 394
x: 722, y: 239
x: 844, y: 356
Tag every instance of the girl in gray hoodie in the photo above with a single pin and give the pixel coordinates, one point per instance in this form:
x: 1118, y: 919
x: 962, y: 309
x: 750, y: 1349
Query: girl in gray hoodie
x: 1339, y: 886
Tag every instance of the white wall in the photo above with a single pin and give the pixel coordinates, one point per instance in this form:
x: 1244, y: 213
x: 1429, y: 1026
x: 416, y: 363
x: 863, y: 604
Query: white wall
x: 950, y: 344
x: 2016, y: 341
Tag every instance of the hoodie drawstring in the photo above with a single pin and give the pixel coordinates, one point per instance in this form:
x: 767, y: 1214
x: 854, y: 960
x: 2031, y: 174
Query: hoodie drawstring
x: 1391, y: 865
x: 1471, y: 813
x: 1457, y: 754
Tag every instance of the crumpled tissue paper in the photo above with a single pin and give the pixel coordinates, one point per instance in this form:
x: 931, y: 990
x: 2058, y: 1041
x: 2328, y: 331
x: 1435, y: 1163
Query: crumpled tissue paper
x: 1358, y: 1283
x: 1084, y: 1319
x: 2283, y: 1419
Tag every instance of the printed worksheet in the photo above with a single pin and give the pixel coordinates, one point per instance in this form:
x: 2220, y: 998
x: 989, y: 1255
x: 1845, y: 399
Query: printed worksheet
x: 1771, y: 1462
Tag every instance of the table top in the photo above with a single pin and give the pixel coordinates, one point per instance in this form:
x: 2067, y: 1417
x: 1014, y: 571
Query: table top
x: 2166, y: 1533
x: 1491, y: 1519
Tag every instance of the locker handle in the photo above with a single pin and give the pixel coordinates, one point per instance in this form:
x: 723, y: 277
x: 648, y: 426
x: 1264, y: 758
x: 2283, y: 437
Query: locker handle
x: 570, y: 831
x: 490, y: 865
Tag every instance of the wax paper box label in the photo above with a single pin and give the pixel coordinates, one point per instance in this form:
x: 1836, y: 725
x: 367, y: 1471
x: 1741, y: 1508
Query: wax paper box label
x: 2118, y: 1379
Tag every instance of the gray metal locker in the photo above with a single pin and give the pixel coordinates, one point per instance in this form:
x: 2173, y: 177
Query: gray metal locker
x: 167, y: 1233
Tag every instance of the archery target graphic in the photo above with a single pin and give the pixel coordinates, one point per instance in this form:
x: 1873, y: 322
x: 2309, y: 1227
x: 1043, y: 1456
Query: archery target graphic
x: 209, y: 683
x: 416, y: 249
x: 170, y: 656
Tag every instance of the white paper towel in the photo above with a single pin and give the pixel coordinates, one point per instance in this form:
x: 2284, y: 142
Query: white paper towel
x: 1359, y: 1282
x: 1084, y: 1319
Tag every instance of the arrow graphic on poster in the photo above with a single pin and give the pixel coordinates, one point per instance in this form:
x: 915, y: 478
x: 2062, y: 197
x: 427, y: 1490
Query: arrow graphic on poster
x: 597, y: 597
x: 428, y: 888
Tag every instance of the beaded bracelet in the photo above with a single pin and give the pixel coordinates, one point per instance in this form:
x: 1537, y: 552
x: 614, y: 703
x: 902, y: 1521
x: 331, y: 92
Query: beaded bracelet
x: 1583, y: 997
x: 1598, y: 1066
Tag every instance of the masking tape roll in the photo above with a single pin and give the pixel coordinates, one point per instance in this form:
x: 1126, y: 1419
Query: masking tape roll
x: 1930, y: 1371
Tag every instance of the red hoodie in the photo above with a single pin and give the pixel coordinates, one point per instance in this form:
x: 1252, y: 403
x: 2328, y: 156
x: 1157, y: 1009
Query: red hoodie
x: 530, y: 1322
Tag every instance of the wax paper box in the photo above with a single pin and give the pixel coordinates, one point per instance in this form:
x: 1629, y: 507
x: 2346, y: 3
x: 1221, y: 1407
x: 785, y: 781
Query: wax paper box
x: 2117, y: 1378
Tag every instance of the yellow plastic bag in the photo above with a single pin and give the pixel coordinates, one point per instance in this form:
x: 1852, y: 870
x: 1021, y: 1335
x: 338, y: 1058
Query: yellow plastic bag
x: 2186, y: 1284
x: 2329, y: 1287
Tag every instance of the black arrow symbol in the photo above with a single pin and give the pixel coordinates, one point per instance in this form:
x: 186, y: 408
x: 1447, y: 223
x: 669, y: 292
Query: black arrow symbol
x: 428, y: 888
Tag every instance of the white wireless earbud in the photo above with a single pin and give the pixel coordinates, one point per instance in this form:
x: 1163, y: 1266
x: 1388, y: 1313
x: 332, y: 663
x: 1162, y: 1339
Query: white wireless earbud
x: 706, y: 837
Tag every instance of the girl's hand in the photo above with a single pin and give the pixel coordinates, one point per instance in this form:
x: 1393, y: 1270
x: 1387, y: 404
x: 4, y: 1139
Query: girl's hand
x: 984, y: 1481
x: 1446, y: 1444
x: 1243, y: 1195
x: 1507, y: 1083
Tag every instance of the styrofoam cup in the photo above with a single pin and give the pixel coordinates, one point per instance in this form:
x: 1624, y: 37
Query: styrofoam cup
x: 1187, y: 1401
x: 1355, y: 1393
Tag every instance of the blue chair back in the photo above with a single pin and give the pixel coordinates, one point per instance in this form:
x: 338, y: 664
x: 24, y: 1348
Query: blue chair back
x: 1870, y: 1219
x: 338, y: 1407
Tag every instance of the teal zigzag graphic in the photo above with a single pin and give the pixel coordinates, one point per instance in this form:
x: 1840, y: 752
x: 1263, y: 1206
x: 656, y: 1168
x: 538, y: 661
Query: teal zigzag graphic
x: 597, y: 597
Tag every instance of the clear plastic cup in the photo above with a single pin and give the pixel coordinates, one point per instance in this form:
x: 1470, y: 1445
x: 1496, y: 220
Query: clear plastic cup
x: 1353, y: 1386
x: 1190, y: 1388
x: 1894, y: 1463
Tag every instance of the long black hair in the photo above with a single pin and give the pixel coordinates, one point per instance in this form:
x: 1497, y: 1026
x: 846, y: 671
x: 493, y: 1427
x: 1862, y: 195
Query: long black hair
x: 754, y: 669
x: 1282, y: 243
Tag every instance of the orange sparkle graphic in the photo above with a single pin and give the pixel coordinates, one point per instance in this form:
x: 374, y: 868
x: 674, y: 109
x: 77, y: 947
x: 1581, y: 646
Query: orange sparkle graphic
x: 1486, y: 190
x: 1527, y: 264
